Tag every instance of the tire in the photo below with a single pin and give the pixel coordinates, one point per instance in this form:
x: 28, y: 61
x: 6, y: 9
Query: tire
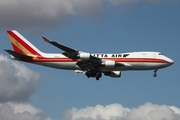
x: 155, y: 75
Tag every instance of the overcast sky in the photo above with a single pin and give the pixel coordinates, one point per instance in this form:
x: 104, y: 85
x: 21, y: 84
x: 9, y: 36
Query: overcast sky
x: 34, y: 92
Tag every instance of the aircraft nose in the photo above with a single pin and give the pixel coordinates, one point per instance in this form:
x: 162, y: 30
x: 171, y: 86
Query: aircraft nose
x: 170, y: 61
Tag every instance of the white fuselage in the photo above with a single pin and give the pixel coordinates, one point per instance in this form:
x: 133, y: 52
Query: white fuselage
x: 133, y: 61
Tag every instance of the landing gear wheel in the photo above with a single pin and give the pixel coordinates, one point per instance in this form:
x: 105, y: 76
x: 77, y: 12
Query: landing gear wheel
x: 155, y: 74
x: 88, y: 74
x: 98, y: 75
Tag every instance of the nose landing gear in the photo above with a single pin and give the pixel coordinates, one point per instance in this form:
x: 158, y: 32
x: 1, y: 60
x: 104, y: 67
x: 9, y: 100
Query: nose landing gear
x: 155, y: 74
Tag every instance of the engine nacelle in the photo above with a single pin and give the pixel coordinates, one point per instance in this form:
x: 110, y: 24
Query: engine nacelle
x: 84, y: 56
x: 115, y: 74
x: 109, y: 64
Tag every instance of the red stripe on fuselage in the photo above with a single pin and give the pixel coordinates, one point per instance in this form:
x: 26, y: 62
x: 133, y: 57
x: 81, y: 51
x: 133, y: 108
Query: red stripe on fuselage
x: 140, y: 60
x: 12, y: 34
x: 154, y: 60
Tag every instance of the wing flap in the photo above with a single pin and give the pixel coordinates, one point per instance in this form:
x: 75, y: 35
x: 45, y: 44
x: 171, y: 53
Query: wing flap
x: 88, y: 65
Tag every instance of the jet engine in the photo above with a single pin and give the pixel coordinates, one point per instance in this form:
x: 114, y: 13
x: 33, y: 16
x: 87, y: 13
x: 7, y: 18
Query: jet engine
x: 84, y: 56
x: 109, y: 63
x: 114, y: 74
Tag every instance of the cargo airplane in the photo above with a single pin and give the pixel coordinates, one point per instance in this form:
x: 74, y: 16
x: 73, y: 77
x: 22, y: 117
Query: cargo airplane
x: 92, y: 65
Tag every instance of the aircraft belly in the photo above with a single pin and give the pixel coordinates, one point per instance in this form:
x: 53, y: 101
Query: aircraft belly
x: 146, y: 66
x: 136, y: 66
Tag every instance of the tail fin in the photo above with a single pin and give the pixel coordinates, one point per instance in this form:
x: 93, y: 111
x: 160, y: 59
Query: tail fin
x: 21, y: 44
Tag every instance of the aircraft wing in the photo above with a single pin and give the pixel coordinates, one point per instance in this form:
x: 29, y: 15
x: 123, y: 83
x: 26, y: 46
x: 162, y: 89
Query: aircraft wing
x: 72, y: 53
x: 87, y: 61
x: 60, y: 46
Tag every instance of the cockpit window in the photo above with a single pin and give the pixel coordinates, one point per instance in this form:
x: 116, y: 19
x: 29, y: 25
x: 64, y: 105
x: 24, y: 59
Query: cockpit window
x: 160, y: 54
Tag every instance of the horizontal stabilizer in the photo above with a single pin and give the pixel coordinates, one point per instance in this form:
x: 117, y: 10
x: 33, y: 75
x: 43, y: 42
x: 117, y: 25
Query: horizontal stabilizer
x: 18, y: 55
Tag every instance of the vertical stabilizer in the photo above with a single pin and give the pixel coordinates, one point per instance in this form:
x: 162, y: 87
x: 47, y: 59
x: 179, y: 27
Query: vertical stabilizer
x: 21, y: 44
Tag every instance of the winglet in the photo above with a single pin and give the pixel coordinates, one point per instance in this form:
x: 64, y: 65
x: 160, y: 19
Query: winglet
x: 46, y: 39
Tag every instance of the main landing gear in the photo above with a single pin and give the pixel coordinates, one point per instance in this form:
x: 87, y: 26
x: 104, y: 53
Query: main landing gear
x: 98, y: 75
x: 94, y: 73
x: 155, y: 74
